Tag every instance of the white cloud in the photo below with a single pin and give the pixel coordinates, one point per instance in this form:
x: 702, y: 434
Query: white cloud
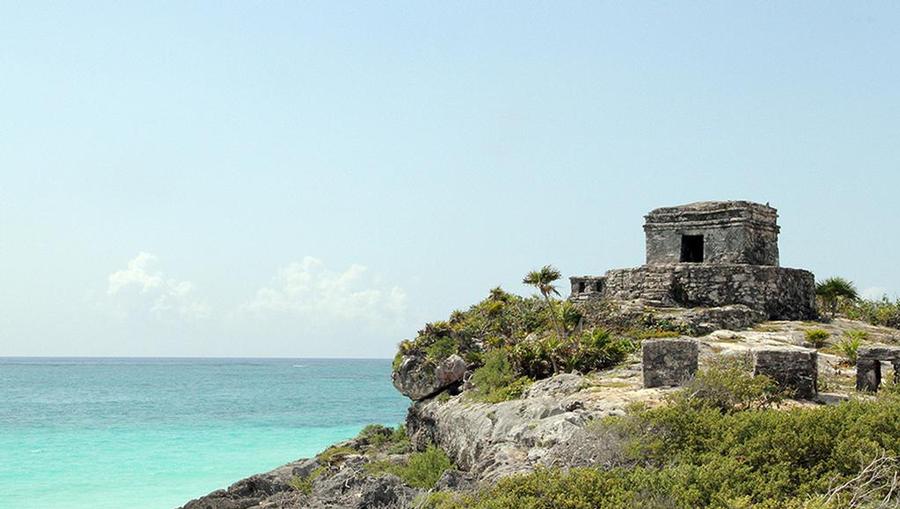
x: 323, y: 298
x: 143, y: 283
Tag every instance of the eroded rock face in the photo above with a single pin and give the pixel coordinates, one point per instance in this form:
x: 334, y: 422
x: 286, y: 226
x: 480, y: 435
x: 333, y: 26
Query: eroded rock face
x: 347, y: 485
x: 250, y: 492
x: 418, y: 378
x: 492, y: 441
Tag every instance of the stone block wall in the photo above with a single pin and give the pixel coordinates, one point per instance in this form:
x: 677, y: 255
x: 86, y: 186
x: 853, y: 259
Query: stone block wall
x: 868, y: 365
x: 793, y: 369
x: 781, y: 293
x: 668, y: 362
x: 587, y: 287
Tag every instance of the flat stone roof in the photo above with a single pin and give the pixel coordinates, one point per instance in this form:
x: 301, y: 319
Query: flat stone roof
x: 714, y: 213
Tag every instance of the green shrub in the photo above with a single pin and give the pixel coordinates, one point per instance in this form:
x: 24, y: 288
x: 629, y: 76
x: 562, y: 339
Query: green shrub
x: 728, y: 385
x: 857, y: 334
x: 421, y: 469
x: 496, y: 380
x: 441, y: 349
x: 499, y: 320
x: 335, y: 454
x: 817, y: 337
x: 684, y: 456
x: 384, y: 439
x: 301, y: 484
x: 305, y: 484
x: 592, y: 350
x: 877, y: 312
x: 850, y: 343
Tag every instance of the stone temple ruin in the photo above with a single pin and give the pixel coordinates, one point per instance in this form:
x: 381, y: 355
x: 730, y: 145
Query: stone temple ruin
x: 710, y: 254
x: 714, y: 255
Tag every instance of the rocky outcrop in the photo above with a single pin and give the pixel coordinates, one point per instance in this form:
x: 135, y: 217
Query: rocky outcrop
x: 418, y: 377
x: 548, y: 426
x: 490, y: 441
x: 252, y: 491
x: 344, y: 484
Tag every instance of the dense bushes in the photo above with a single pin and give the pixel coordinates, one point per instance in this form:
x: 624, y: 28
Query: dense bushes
x: 496, y: 380
x: 515, y: 340
x: 688, y: 455
x: 588, y: 351
x: 877, y: 312
x: 419, y: 470
x: 501, y: 319
x: 728, y: 385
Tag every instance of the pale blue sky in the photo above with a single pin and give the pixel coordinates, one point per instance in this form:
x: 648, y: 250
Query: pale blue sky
x: 259, y: 154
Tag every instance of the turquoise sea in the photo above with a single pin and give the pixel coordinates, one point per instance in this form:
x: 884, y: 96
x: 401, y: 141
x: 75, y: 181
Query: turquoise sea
x: 155, y: 433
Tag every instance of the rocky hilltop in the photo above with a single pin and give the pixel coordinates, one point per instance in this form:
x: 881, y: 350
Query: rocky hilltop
x: 549, y: 425
x: 703, y: 378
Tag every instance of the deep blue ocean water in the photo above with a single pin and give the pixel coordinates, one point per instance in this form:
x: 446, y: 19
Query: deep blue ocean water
x: 155, y: 433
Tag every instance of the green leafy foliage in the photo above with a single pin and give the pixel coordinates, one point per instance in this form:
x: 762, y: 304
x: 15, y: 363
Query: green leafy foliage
x: 727, y: 385
x: 689, y: 456
x: 380, y: 438
x: 877, y: 312
x: 817, y: 337
x: 420, y: 470
x: 496, y: 380
x: 499, y: 320
x: 834, y: 291
x: 850, y: 343
x: 305, y: 484
x: 592, y: 350
x: 335, y: 454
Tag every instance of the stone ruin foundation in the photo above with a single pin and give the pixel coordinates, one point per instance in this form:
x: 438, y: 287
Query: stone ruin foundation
x: 668, y: 362
x: 793, y: 369
x: 868, y: 366
x: 709, y: 254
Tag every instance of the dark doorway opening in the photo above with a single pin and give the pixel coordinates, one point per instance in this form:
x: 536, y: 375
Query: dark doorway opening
x: 692, y: 248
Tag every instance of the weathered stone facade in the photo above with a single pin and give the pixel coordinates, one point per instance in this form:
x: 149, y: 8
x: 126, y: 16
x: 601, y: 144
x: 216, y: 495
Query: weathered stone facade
x: 793, y: 369
x: 668, y: 362
x: 721, y: 231
x: 783, y: 294
x: 735, y: 261
x: 868, y: 365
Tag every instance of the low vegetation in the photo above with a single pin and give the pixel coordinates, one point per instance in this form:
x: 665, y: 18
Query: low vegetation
x: 419, y: 470
x: 496, y: 380
x: 305, y: 484
x: 883, y: 312
x: 817, y: 337
x: 835, y: 291
x: 514, y: 340
x: 728, y: 385
x: 378, y: 438
x: 720, y: 443
x: 850, y: 343
x: 335, y: 454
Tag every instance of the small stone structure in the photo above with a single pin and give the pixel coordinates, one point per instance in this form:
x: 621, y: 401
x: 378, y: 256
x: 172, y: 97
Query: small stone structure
x: 738, y: 232
x: 710, y: 254
x: 793, y: 369
x: 668, y: 361
x: 868, y: 365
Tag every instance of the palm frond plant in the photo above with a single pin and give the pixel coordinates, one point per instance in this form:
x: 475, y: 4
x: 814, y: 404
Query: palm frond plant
x: 543, y: 280
x: 834, y: 290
